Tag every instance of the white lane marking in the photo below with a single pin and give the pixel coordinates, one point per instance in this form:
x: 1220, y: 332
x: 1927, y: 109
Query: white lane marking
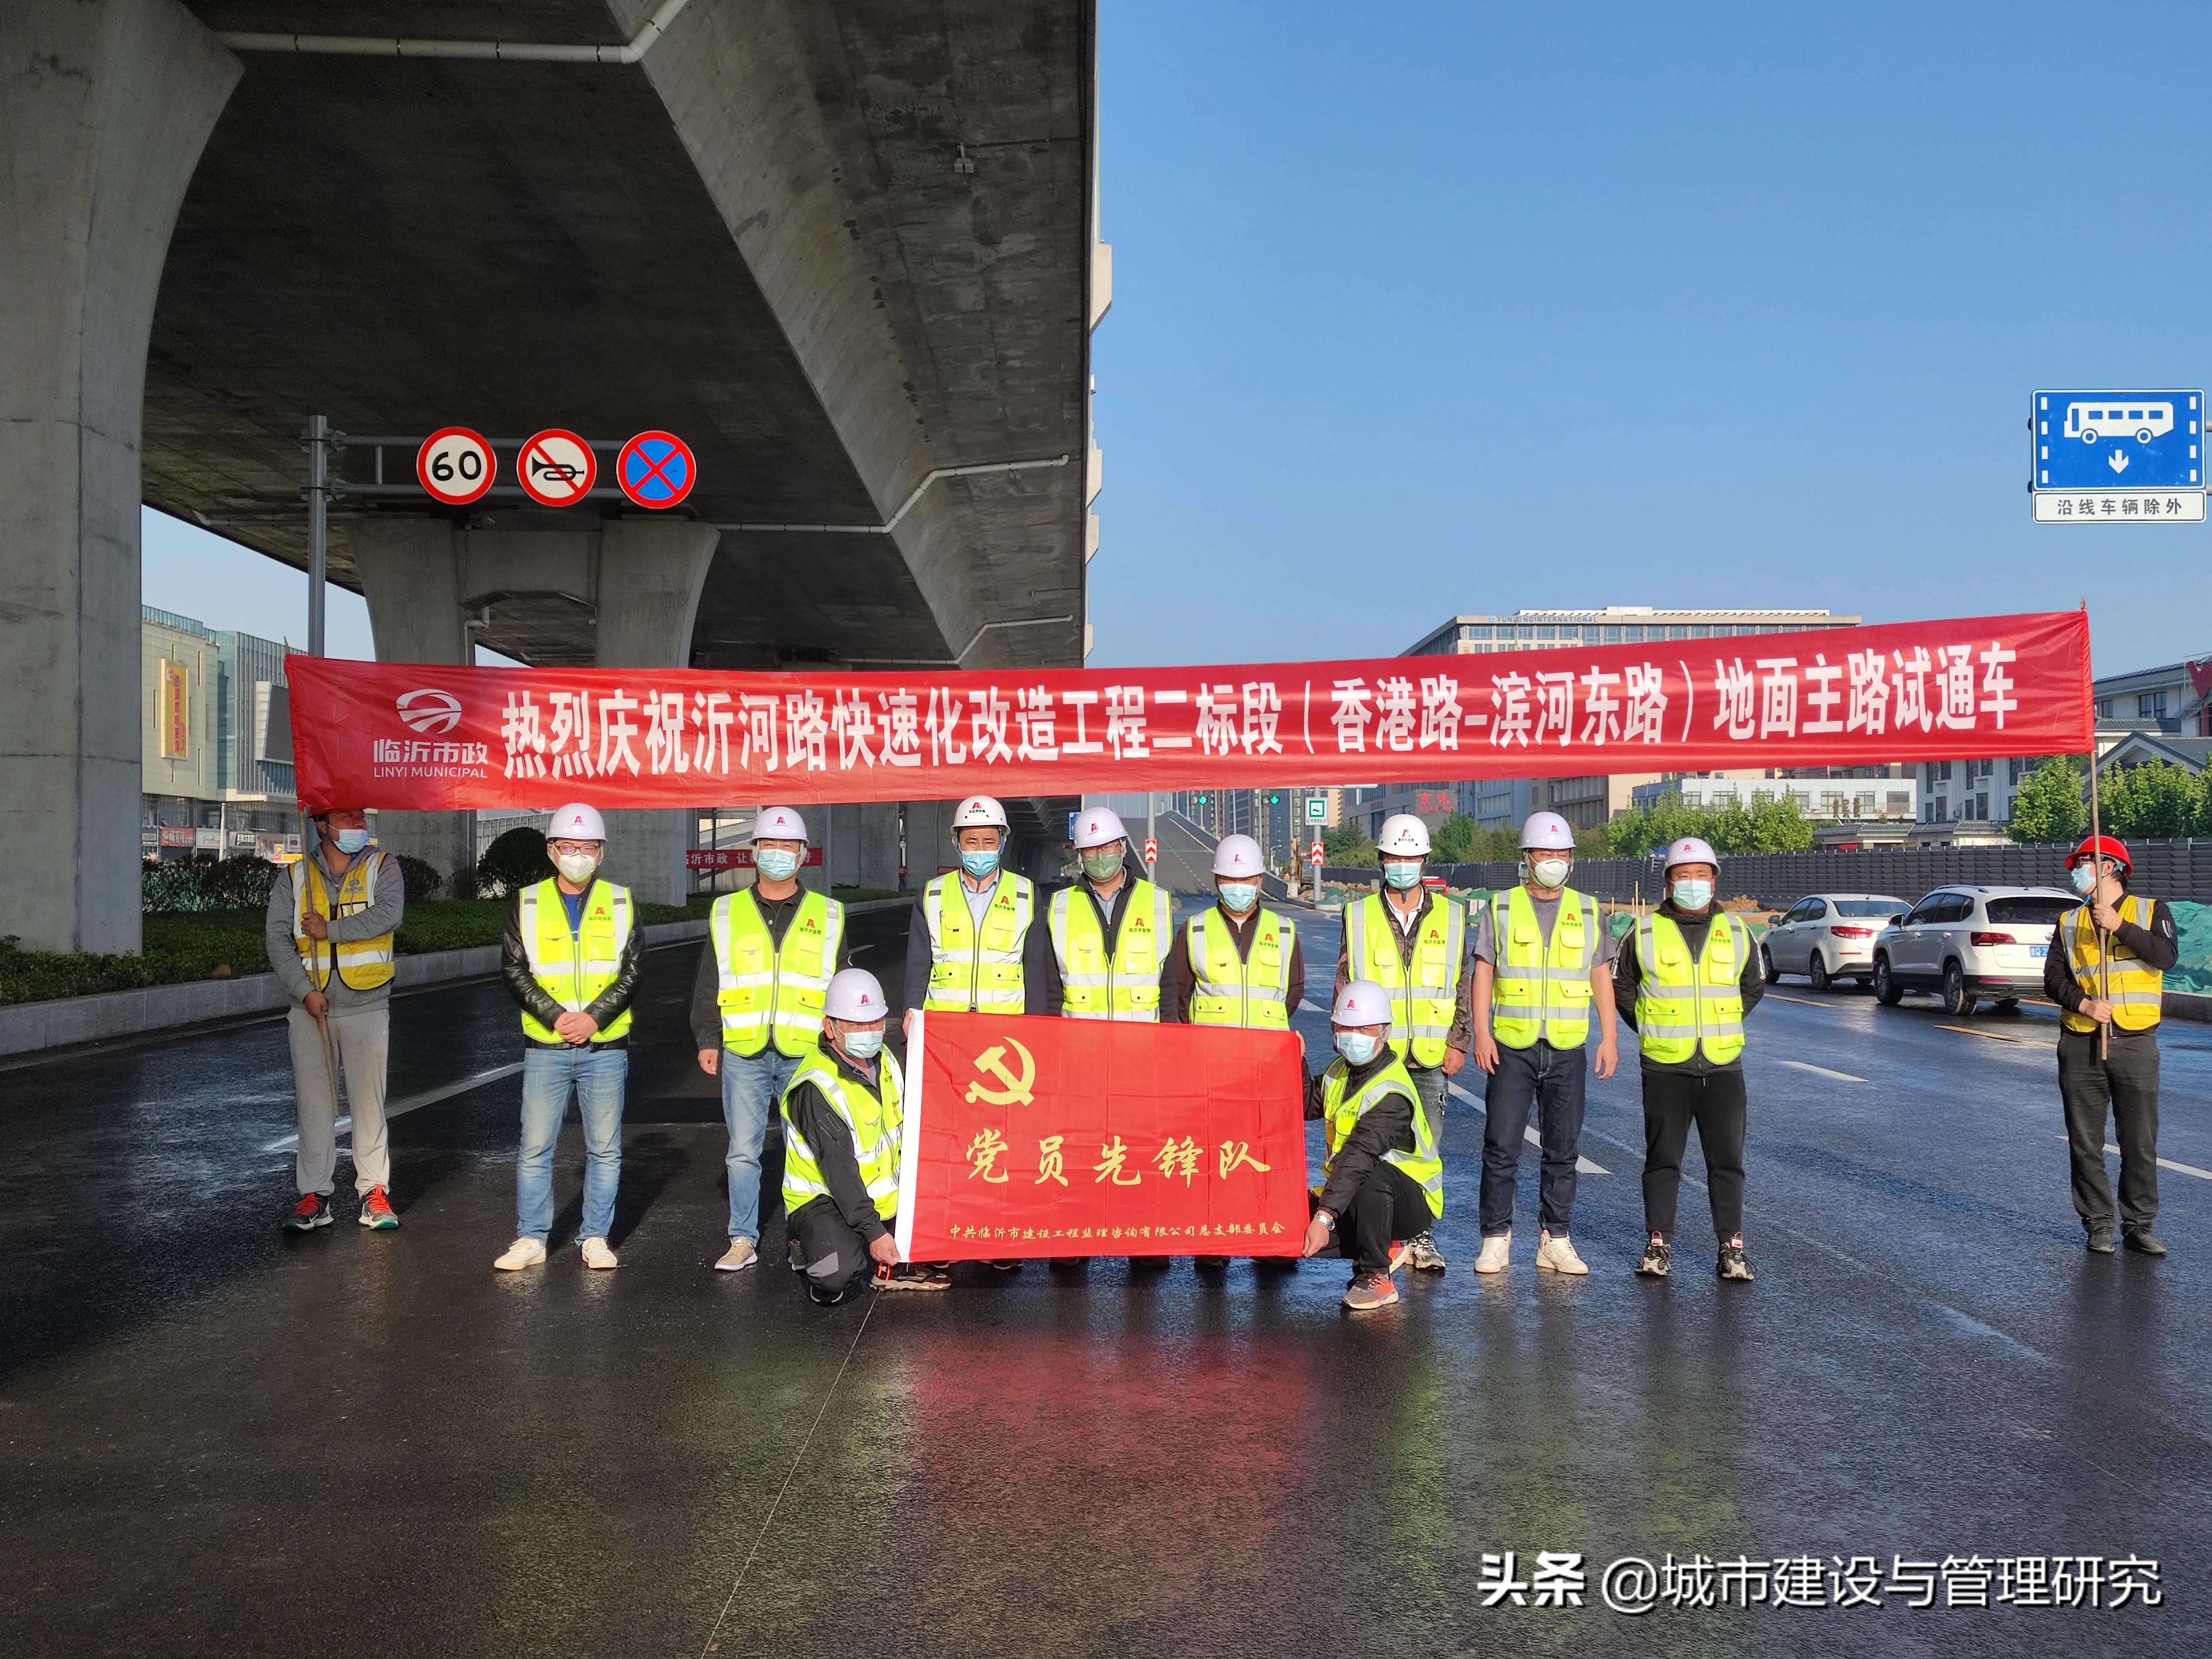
x: 2163, y: 1163
x: 1802, y: 1002
x: 1583, y: 1165
x: 1309, y: 1006
x: 399, y: 1108
x: 1822, y: 1070
x: 1999, y: 1036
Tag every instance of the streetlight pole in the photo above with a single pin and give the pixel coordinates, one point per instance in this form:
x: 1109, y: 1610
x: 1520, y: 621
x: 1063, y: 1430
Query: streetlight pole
x: 319, y: 525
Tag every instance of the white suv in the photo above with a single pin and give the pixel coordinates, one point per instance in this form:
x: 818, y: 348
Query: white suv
x: 1968, y: 943
x: 1828, y: 936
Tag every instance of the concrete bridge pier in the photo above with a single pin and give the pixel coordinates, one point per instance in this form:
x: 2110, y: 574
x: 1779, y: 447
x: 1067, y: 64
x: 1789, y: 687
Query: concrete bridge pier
x: 104, y: 105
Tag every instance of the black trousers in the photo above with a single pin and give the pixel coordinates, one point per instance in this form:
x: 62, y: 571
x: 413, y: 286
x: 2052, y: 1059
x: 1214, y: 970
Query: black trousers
x: 1552, y: 1081
x: 1387, y: 1206
x: 832, y: 1254
x: 1673, y: 1100
x: 2127, y: 1083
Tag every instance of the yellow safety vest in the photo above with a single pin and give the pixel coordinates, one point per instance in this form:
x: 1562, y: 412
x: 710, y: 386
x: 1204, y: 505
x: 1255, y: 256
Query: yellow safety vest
x: 575, y: 968
x: 1127, y: 986
x: 1423, y: 1000
x: 763, y: 986
x: 2138, y: 993
x: 1424, y: 1164
x: 1234, y: 990
x: 363, y: 964
x: 872, y: 1115
x: 977, y: 971
x: 1680, y: 1005
x: 1539, y: 990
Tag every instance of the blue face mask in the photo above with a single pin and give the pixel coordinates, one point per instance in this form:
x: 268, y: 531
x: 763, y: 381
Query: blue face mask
x: 863, y: 1045
x: 350, y: 841
x: 1238, y: 895
x: 1693, y: 894
x: 1358, y: 1048
x: 979, y: 865
x: 1402, y: 875
x: 776, y: 863
x: 2085, y: 878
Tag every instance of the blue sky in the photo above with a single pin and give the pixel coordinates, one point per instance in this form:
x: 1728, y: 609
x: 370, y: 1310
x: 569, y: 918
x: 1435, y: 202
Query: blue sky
x: 1426, y: 309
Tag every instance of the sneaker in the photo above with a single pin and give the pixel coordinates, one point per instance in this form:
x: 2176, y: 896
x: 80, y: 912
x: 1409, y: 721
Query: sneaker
x: 1423, y: 1253
x: 2143, y: 1241
x: 312, y: 1211
x: 1497, y: 1250
x: 595, y: 1253
x: 1732, y: 1264
x: 1400, y: 1252
x: 1657, y: 1261
x: 1209, y: 1263
x: 740, y: 1254
x: 523, y: 1253
x: 376, y: 1212
x: 1005, y: 1267
x: 912, y: 1276
x: 1371, y: 1292
x: 1556, y: 1252
x: 830, y: 1296
x: 940, y: 1275
x: 793, y: 1259
x: 2100, y: 1238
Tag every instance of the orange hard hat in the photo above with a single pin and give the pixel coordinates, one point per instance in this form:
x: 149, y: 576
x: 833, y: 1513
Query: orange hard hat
x: 2103, y: 847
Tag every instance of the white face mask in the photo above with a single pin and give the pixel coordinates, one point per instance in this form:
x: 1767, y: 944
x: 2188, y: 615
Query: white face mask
x: 1358, y: 1048
x: 576, y: 866
x: 1549, y: 872
x: 2085, y: 878
x: 863, y: 1043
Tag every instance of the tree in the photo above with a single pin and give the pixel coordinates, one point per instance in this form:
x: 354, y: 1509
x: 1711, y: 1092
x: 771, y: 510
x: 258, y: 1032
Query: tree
x: 2151, y: 803
x: 516, y: 860
x: 1346, y: 844
x: 2048, y: 810
x: 1456, y: 840
x: 1765, y: 826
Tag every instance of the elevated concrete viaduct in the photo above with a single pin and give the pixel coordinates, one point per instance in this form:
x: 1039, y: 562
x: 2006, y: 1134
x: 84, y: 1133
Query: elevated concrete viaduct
x: 847, y: 248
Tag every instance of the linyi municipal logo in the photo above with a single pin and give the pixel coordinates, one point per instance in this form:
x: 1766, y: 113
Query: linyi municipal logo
x: 430, y: 712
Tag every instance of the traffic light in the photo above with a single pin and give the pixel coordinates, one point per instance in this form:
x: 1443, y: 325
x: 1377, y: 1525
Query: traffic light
x: 1199, y: 799
x: 1273, y: 798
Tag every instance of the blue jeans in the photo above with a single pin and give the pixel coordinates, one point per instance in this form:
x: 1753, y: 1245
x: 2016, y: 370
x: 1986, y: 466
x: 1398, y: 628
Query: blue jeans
x: 550, y: 1076
x: 1552, y: 1082
x: 752, y: 1089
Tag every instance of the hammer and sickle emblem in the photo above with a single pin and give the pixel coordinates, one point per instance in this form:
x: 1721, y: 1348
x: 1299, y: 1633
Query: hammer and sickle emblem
x: 993, y: 1060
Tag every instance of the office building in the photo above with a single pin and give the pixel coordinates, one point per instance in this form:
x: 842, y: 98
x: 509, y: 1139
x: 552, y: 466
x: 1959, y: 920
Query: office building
x: 215, y: 749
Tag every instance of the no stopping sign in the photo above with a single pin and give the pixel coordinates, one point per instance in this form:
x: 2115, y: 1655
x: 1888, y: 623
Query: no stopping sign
x: 456, y: 465
x: 655, y: 469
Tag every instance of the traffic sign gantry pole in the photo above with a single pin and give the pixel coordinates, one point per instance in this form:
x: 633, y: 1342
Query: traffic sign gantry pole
x: 319, y: 526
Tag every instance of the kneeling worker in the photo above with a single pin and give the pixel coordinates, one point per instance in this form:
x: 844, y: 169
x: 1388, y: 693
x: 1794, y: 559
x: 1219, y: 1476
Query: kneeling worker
x: 840, y: 1150
x: 1385, y: 1177
x: 1684, y: 989
x: 1543, y: 956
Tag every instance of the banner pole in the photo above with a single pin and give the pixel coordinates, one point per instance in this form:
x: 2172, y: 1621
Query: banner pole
x: 2103, y: 945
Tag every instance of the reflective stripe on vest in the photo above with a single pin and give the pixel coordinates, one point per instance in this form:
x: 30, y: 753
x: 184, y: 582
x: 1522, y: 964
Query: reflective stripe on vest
x: 1541, y: 988
x: 1425, y: 1164
x: 1234, y: 990
x: 363, y: 964
x: 977, y: 971
x: 1682, y: 1006
x: 874, y: 1118
x: 1127, y: 986
x: 2137, y: 993
x: 765, y: 987
x: 575, y: 968
x: 1423, y: 1000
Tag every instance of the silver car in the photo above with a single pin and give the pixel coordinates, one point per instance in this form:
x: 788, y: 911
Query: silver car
x: 1968, y: 943
x: 1828, y: 936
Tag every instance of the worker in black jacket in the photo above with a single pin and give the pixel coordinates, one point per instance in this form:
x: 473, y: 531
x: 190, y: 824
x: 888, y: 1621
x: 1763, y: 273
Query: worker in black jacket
x: 572, y: 958
x: 2105, y: 968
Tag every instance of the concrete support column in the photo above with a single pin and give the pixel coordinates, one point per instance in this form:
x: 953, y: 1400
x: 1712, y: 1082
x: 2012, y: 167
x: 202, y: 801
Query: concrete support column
x: 104, y: 107
x: 410, y: 574
x: 877, y: 865
x: 651, y: 572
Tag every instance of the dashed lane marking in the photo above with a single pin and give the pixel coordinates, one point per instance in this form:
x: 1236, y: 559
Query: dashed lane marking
x: 400, y: 1108
x: 1999, y: 1036
x: 1822, y: 1070
x: 2164, y: 1164
x: 1804, y: 1002
x: 1583, y: 1165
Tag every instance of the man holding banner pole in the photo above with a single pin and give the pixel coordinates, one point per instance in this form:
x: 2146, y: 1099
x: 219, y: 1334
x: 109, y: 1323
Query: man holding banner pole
x: 756, y: 1004
x: 1413, y: 943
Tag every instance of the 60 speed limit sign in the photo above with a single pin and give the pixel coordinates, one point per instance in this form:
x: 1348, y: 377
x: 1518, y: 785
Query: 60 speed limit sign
x: 456, y: 465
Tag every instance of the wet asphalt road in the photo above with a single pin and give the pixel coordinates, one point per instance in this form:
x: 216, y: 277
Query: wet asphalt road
x: 217, y: 1438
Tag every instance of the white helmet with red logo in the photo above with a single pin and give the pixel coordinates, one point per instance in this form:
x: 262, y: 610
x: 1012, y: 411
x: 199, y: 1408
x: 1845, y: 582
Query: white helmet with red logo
x: 1404, y: 836
x: 978, y: 812
x: 779, y: 823
x: 1547, y: 832
x: 855, y: 995
x: 1691, y: 850
x: 1097, y: 826
x: 1362, y: 1002
x: 576, y: 822
x: 1239, y: 855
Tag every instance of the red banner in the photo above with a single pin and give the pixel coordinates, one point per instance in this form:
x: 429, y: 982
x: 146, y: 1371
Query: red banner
x: 402, y: 736
x: 1033, y: 1137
